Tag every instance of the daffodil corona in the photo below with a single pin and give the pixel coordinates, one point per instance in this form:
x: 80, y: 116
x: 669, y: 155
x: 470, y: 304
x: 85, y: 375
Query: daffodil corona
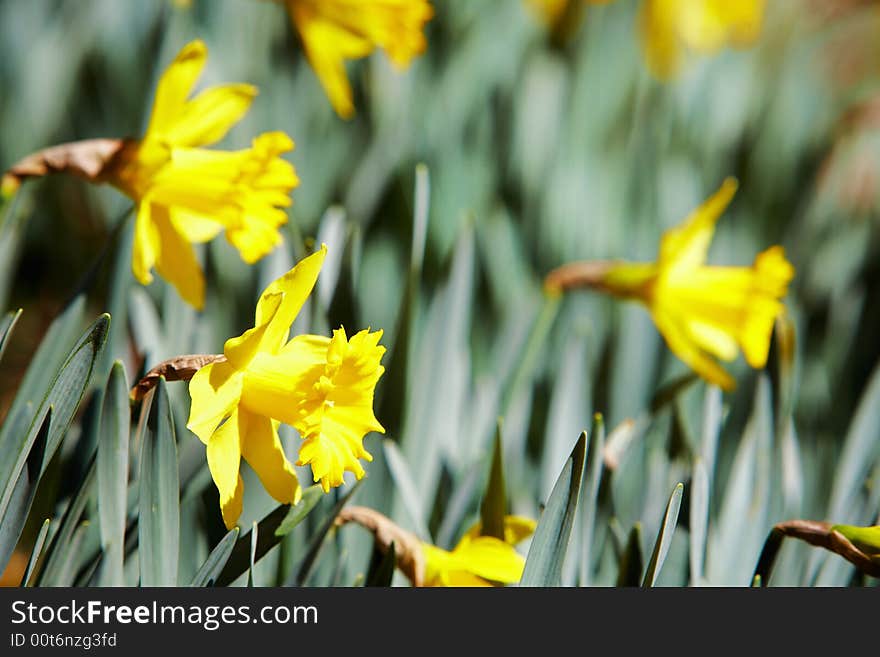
x: 186, y: 194
x: 333, y: 31
x: 321, y: 386
x: 702, y: 311
x: 479, y: 560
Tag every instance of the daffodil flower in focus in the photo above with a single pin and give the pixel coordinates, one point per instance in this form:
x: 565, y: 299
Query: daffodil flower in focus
x: 333, y: 31
x: 321, y: 386
x: 670, y: 28
x: 186, y: 194
x: 702, y: 311
x: 479, y: 560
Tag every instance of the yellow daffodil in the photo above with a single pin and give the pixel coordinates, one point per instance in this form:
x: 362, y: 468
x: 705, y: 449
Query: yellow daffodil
x: 479, y: 560
x: 702, y: 311
x: 866, y: 539
x: 333, y: 31
x: 672, y: 27
x: 321, y: 386
x: 186, y: 194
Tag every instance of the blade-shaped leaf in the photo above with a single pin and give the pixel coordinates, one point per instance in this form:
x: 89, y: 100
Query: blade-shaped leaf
x: 112, y: 457
x: 270, y: 531
x: 664, y: 537
x: 317, y: 539
x: 214, y: 564
x: 698, y: 521
x: 592, y: 479
x: 383, y: 572
x: 13, y: 520
x: 58, y: 567
x: 494, y: 504
x: 410, y: 494
x: 630, y: 568
x: 36, y: 553
x: 159, y: 513
x: 547, y: 551
x: 6, y: 326
x: 63, y: 396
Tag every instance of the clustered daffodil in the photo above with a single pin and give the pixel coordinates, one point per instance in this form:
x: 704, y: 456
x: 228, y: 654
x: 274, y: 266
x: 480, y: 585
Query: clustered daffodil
x: 702, y: 311
x: 671, y: 28
x: 479, y: 560
x: 321, y: 386
x: 186, y: 194
x: 333, y: 31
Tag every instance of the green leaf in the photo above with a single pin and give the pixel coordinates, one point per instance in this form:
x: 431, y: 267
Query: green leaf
x: 698, y: 521
x: 63, y: 396
x: 270, y: 531
x: 317, y: 539
x: 209, y: 571
x: 6, y: 325
x: 36, y: 552
x: 547, y: 552
x: 59, y: 563
x: 630, y: 567
x: 253, y: 554
x: 159, y: 512
x: 112, y: 458
x: 664, y: 537
x: 383, y: 573
x: 767, y: 559
x: 494, y: 504
x: 15, y: 514
x: 296, y: 514
x: 590, y: 495
x: 410, y: 494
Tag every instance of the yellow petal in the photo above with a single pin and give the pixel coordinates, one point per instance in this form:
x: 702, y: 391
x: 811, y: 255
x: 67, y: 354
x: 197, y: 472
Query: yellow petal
x: 208, y: 117
x: 175, y: 85
x: 195, y: 228
x: 214, y: 390
x: 772, y: 275
x: 224, y: 458
x: 261, y: 448
x: 145, y: 249
x: 490, y: 558
x: 687, y: 245
x: 657, y: 24
x: 333, y: 31
x: 177, y: 262
x: 295, y: 287
x: 689, y: 352
x: 241, y: 351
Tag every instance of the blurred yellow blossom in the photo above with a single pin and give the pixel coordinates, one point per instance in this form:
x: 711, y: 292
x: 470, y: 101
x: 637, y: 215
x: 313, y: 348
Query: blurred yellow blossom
x: 702, y: 311
x: 670, y: 28
x: 321, y: 386
x: 333, y: 31
x: 479, y: 560
x: 186, y: 194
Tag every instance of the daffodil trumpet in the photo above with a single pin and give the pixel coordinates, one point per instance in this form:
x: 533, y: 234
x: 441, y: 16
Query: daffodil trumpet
x: 704, y: 312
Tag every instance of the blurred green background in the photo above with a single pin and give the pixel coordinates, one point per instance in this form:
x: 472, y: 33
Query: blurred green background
x: 499, y: 154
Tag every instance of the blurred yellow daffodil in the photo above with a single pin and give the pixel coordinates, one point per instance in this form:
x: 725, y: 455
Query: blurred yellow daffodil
x: 670, y: 28
x: 479, y: 560
x: 321, y: 386
x: 186, y: 194
x: 333, y: 31
x: 702, y: 311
